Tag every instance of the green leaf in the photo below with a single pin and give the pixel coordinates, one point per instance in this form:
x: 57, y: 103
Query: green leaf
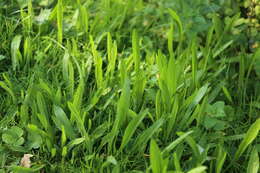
x: 43, y: 16
x: 156, y: 159
x: 75, y: 115
x: 34, y: 140
x: 43, y: 116
x: 9, y: 139
x: 176, y: 142
x: 61, y: 119
x: 2, y: 57
x: 131, y: 128
x: 122, y: 107
x: 221, y: 157
x: 253, y: 164
x: 17, y: 130
x: 35, y: 129
x: 146, y: 135
x: 112, y: 160
x: 13, y: 136
x: 248, y: 139
x: 216, y: 110
x: 8, y: 90
x: 177, y: 19
x: 222, y: 48
x: 136, y: 51
x: 65, y: 65
x: 9, y: 116
x: 75, y: 142
x: 43, y: 121
x: 60, y: 20
x: 16, y: 55
x: 20, y: 169
x: 199, y: 169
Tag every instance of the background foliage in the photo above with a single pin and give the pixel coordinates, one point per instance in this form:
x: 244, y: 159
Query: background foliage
x: 130, y: 86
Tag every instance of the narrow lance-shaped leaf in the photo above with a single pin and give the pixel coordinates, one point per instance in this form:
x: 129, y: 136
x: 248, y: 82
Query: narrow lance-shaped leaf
x: 173, y: 116
x: 60, y: 20
x: 41, y: 104
x: 136, y: 51
x: 8, y: 90
x: 111, y: 56
x: 43, y: 121
x: 65, y: 66
x: 61, y: 120
x: 222, y: 48
x: 122, y: 107
x: 131, y: 128
x: 147, y: 134
x: 249, y: 138
x: 30, y: 15
x: 200, y: 169
x: 16, y: 55
x: 178, y: 21
x: 75, y: 142
x: 194, y: 61
x: 78, y: 95
x: 122, y: 111
x: 221, y: 157
x: 170, y: 41
x: 176, y: 142
x: 75, y: 115
x: 253, y: 164
x: 84, y: 18
x: 63, y: 136
x: 176, y: 161
x: 156, y: 159
x: 98, y: 64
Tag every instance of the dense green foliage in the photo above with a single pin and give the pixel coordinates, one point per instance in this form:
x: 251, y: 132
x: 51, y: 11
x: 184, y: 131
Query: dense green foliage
x: 130, y: 85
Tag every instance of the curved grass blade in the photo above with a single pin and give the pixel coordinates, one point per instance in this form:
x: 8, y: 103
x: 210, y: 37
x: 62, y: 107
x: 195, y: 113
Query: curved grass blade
x: 156, y: 159
x: 143, y: 138
x: 8, y: 90
x: 75, y: 142
x: 59, y: 20
x: 61, y: 119
x: 16, y: 55
x: 176, y: 142
x: 131, y: 128
x: 253, y: 164
x: 248, y: 139
x: 221, y: 157
x: 177, y: 19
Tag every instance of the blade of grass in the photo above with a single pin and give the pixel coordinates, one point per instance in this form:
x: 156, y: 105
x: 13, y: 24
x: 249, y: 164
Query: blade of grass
x: 156, y: 159
x: 8, y: 90
x: 170, y: 42
x: 131, y: 128
x: 16, y: 55
x: 221, y: 157
x: 122, y: 111
x: 147, y: 134
x: 253, y: 164
x: 249, y: 138
x: 60, y: 20
x: 178, y: 21
x: 172, y: 145
x: 61, y: 120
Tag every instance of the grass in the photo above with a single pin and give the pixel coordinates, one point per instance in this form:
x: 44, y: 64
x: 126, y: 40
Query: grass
x: 84, y: 88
